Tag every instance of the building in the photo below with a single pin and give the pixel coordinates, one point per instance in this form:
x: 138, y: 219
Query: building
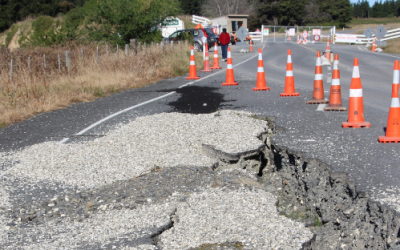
x: 231, y: 22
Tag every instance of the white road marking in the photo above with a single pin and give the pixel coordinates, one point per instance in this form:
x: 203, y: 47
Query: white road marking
x: 149, y: 101
x: 321, y: 107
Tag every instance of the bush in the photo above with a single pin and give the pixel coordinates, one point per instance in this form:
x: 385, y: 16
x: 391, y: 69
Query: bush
x: 282, y: 30
x: 42, y: 24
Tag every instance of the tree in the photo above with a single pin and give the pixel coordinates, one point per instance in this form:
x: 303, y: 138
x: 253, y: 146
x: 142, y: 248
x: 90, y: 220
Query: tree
x: 215, y: 8
x: 118, y: 21
x: 284, y: 12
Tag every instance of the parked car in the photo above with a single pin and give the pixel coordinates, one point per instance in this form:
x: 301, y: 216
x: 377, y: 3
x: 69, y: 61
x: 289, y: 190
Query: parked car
x: 197, y: 35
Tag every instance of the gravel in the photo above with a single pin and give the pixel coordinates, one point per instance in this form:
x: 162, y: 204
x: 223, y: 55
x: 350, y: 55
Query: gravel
x: 144, y: 185
x: 162, y: 140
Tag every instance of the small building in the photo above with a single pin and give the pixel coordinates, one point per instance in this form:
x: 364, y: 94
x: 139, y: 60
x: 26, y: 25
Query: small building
x: 231, y: 22
x: 170, y: 25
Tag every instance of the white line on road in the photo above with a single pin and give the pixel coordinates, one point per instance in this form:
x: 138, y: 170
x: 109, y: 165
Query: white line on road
x: 321, y: 107
x: 149, y: 101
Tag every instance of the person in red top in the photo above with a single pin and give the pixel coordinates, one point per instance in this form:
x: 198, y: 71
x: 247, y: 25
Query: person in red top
x: 224, y: 39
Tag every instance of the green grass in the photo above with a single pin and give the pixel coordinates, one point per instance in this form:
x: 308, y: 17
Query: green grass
x: 383, y: 20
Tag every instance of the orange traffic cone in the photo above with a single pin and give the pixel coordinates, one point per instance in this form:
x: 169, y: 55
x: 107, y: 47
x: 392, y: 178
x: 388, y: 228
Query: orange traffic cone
x: 356, y: 109
x: 261, y: 84
x: 373, y: 46
x: 289, y: 80
x: 192, y: 67
x: 290, y: 38
x: 335, y: 98
x: 393, y: 124
x: 328, y: 51
x: 230, y: 78
x: 318, y: 93
x: 216, y: 62
x: 207, y: 62
x: 298, y: 39
x: 251, y: 46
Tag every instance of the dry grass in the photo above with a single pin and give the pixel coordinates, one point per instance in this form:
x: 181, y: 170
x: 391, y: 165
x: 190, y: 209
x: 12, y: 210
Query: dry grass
x: 41, y: 90
x: 393, y: 46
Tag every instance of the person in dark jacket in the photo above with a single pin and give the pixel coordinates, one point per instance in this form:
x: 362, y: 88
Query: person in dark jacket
x: 224, y: 39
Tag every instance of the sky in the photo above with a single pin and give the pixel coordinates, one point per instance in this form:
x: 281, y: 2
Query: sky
x: 371, y: 2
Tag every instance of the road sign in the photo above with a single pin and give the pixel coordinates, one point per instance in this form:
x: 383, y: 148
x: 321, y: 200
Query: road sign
x: 316, y: 31
x: 242, y: 33
x: 316, y: 38
x: 291, y: 32
x: 368, y: 33
x: 380, y: 32
x: 304, y: 34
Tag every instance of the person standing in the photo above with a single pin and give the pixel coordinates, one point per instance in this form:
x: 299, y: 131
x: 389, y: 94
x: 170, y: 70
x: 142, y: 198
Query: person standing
x: 224, y: 40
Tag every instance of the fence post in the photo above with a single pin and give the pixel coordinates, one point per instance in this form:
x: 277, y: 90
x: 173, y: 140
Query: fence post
x: 172, y: 45
x: 107, y: 49
x: 152, y: 45
x: 133, y: 46
x: 117, y: 51
x: 83, y: 58
x: 126, y: 50
x: 59, y: 62
x: 44, y: 64
x: 97, y: 54
x: 162, y: 46
x: 11, y: 70
x: 29, y: 65
x: 67, y: 62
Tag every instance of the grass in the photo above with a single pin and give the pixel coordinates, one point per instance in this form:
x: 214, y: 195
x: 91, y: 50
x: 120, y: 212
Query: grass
x: 392, y: 46
x: 39, y: 90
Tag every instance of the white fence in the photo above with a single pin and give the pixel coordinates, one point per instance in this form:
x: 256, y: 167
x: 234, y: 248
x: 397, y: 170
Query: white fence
x: 362, y: 39
x: 256, y: 36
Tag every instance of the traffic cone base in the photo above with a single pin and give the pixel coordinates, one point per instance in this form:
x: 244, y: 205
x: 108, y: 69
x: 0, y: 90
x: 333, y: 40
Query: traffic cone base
x: 315, y: 101
x: 192, y: 78
x: 384, y: 139
x: 333, y: 108
x: 356, y: 124
x: 289, y: 94
x: 261, y: 89
x: 229, y: 83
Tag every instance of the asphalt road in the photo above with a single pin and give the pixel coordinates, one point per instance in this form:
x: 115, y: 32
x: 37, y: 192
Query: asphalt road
x: 374, y: 167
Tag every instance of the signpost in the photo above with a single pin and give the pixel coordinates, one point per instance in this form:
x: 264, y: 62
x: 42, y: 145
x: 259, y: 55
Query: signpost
x: 242, y: 33
x: 380, y: 33
x: 304, y: 34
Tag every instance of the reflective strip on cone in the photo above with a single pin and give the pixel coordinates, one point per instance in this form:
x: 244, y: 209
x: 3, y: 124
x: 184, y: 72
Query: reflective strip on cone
x: 356, y: 72
x: 395, y: 103
x: 318, y: 77
x: 259, y: 69
x: 396, y: 77
x: 356, y: 93
x: 335, y: 82
x: 229, y: 66
x: 289, y: 73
